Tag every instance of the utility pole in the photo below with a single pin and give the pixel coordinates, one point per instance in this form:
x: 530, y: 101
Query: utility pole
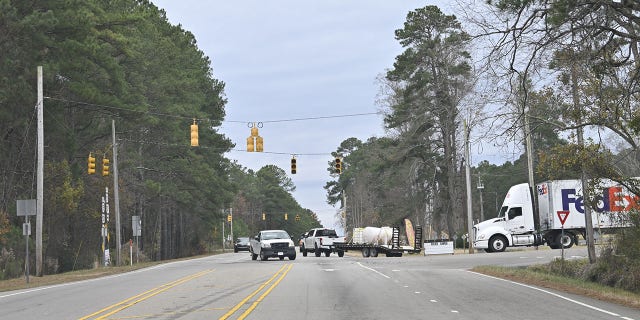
x: 480, y: 187
x: 40, y: 176
x: 467, y: 160
x: 116, y: 197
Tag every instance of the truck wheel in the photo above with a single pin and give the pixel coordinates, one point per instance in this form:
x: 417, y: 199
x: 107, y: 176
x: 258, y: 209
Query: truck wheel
x: 254, y: 256
x: 373, y: 252
x: 327, y: 253
x: 365, y: 252
x: 293, y: 257
x: 281, y: 258
x: 303, y: 251
x: 263, y: 257
x: 340, y: 253
x: 316, y: 251
x: 566, y: 241
x: 498, y: 243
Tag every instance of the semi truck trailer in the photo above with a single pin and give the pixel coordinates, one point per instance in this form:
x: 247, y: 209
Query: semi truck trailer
x: 561, y: 218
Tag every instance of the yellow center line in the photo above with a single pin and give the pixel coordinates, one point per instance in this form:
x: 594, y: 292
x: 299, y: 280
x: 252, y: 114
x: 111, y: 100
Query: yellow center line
x: 241, y: 303
x: 255, y: 304
x: 117, y: 307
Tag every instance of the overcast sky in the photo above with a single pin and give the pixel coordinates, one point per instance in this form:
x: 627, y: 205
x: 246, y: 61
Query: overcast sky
x: 292, y: 59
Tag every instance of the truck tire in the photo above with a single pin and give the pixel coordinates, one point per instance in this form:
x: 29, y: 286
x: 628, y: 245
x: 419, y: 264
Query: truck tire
x: 327, y: 253
x: 340, y: 253
x: 254, y: 256
x: 567, y: 241
x: 281, y: 258
x: 373, y: 252
x: 262, y: 256
x: 293, y: 257
x: 303, y: 251
x: 316, y: 251
x: 498, y: 243
x: 365, y: 252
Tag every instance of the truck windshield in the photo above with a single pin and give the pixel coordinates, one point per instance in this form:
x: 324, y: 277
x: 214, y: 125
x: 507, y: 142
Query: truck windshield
x: 274, y: 235
x: 502, y: 212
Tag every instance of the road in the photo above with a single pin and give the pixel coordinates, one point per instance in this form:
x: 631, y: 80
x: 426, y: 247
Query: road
x: 232, y: 286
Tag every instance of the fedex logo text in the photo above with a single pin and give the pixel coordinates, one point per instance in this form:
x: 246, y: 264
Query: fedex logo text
x: 612, y: 199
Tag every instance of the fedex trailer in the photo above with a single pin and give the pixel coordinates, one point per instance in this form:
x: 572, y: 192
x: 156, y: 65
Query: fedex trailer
x: 515, y: 224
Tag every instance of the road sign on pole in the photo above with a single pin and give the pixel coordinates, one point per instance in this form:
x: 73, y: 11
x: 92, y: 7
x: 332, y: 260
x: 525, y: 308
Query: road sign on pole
x: 562, y: 215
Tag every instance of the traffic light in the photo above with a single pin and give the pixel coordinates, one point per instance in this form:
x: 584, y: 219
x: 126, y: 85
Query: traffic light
x: 259, y: 144
x: 228, y: 218
x: 338, y: 165
x: 297, y: 217
x: 264, y: 216
x: 294, y: 167
x: 250, y: 146
x: 255, y: 143
x: 105, y: 167
x: 286, y: 216
x: 194, y: 134
x: 91, y: 166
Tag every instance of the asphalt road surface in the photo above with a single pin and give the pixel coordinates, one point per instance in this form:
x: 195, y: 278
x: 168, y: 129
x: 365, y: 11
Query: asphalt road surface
x: 232, y: 286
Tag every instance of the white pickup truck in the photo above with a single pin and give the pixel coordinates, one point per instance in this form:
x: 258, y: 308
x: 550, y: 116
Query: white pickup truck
x: 272, y: 244
x: 319, y: 240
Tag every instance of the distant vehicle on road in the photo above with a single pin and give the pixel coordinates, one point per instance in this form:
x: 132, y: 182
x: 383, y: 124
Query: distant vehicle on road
x: 321, y: 240
x: 241, y: 244
x: 271, y: 244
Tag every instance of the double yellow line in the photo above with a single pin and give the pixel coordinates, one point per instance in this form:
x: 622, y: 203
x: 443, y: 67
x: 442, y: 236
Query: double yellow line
x: 282, y: 272
x: 115, y: 308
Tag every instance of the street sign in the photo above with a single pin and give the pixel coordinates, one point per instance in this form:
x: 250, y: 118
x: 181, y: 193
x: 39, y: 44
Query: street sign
x: 26, y: 207
x: 562, y: 215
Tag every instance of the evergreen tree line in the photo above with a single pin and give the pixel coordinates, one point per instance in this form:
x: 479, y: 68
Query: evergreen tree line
x: 121, y: 61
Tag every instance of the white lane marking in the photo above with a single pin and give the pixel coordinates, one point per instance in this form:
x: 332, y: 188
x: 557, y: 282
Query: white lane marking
x: 416, y: 292
x: 434, y: 301
x: 455, y: 311
x: 405, y: 286
x: 374, y: 270
x: 395, y: 270
x: 329, y: 270
x: 551, y: 293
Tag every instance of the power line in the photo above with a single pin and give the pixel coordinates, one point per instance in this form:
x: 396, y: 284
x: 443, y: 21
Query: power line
x: 207, y: 119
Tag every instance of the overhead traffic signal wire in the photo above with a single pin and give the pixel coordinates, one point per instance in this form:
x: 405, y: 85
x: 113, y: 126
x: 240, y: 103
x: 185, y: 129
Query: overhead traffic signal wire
x: 207, y: 119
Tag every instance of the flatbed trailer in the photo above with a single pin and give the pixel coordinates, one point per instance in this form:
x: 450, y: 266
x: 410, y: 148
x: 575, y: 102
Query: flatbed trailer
x: 390, y: 250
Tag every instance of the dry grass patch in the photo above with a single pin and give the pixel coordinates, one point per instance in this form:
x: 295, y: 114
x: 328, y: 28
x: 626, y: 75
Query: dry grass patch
x: 570, y: 285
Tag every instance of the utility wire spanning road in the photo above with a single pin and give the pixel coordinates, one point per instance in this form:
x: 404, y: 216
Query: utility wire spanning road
x: 232, y: 286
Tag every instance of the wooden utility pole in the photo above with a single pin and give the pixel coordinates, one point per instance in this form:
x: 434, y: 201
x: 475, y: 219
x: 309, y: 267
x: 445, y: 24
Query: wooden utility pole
x: 467, y: 160
x: 116, y: 192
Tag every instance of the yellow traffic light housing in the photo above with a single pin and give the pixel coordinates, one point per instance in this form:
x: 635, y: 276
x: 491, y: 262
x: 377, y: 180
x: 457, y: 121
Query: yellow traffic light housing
x: 255, y: 143
x: 194, y: 134
x: 286, y: 216
x: 297, y: 217
x: 264, y: 216
x: 229, y: 218
x: 250, y: 145
x: 105, y: 167
x: 91, y: 164
x: 259, y: 144
x: 294, y: 167
x: 338, y: 165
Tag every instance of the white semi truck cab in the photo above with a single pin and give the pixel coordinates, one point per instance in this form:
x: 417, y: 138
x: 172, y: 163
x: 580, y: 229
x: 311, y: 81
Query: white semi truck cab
x: 515, y: 225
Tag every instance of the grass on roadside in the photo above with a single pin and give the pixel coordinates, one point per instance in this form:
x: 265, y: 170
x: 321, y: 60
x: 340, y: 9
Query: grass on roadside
x: 48, y: 280
x: 565, y: 284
